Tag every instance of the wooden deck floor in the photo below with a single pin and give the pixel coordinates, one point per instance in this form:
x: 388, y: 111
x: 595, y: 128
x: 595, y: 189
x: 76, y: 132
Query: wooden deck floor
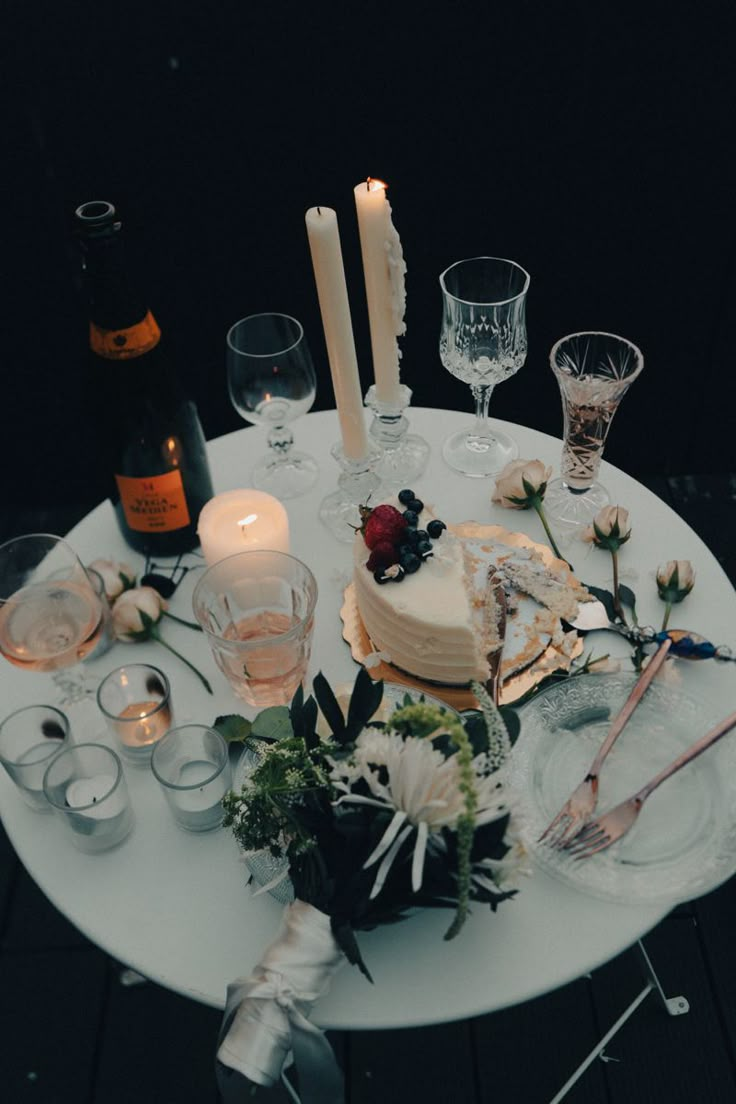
x: 71, y: 1031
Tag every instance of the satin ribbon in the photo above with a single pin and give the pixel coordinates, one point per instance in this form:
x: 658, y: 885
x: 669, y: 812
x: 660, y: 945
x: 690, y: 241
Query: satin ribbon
x: 266, y: 1014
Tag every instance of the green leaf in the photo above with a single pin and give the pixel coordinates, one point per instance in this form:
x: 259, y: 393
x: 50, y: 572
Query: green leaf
x: 606, y: 598
x: 364, y: 701
x: 627, y: 596
x: 346, y: 941
x: 233, y: 728
x: 146, y: 621
x: 273, y: 723
x: 512, y: 722
x: 328, y: 703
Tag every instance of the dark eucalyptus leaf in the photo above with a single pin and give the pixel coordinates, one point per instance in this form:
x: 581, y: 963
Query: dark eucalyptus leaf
x: 512, y: 722
x: 627, y: 596
x: 309, y: 723
x: 606, y: 598
x: 346, y: 941
x: 364, y: 702
x: 328, y: 703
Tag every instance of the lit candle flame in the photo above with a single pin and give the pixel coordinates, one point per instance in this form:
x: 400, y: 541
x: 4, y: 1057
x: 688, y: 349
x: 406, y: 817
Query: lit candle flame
x: 374, y: 185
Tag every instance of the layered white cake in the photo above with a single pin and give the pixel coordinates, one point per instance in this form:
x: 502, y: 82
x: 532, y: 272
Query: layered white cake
x: 439, y: 623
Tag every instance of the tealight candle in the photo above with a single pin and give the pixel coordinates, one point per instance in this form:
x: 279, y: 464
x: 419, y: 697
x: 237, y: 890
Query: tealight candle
x: 242, y: 521
x: 384, y: 269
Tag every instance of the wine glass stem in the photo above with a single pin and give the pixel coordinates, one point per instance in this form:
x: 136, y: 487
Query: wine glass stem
x: 280, y: 439
x: 481, y: 431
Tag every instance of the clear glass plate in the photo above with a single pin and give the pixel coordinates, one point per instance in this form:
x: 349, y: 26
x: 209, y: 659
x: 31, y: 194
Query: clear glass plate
x: 684, y: 842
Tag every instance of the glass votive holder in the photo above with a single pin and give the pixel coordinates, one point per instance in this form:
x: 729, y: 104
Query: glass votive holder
x: 257, y: 611
x: 136, y: 703
x: 192, y: 765
x: 85, y: 787
x: 29, y: 740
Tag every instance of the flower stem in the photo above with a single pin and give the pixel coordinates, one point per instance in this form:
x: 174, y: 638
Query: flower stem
x: 178, y: 655
x: 181, y: 621
x: 667, y: 612
x: 537, y: 504
x: 618, y: 608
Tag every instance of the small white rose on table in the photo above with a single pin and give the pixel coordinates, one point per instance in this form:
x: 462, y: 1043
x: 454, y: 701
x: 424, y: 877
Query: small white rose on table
x: 521, y: 486
x: 136, y: 615
x: 675, y: 580
x: 609, y: 531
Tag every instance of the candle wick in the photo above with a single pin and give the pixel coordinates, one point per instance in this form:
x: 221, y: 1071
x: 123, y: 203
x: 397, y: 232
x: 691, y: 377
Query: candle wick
x: 319, y: 210
x: 368, y: 184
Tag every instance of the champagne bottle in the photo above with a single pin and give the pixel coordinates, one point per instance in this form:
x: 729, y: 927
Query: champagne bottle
x: 159, y: 458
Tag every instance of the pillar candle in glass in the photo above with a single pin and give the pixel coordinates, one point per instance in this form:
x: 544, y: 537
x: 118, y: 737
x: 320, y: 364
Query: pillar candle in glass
x: 29, y: 740
x: 241, y: 521
x: 136, y: 703
x: 192, y: 766
x: 85, y: 787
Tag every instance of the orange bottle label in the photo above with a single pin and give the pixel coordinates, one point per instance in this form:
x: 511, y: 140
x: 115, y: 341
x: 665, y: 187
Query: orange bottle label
x: 125, y: 344
x: 156, y: 504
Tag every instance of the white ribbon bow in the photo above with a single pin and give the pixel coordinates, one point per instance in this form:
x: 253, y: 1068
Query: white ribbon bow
x: 266, y: 1014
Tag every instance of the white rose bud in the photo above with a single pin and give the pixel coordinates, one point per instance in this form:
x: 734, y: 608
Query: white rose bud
x: 520, y: 482
x: 116, y: 577
x: 132, y: 608
x: 610, y: 528
x: 675, y: 580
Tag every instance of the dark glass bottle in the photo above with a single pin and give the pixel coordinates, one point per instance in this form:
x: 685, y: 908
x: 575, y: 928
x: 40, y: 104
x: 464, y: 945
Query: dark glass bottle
x: 159, y: 458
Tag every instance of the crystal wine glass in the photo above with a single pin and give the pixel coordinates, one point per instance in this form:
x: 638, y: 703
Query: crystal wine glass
x: 482, y: 342
x: 50, y: 614
x: 594, y: 371
x: 271, y: 382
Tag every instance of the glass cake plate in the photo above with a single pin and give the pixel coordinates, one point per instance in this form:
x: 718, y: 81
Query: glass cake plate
x: 684, y: 842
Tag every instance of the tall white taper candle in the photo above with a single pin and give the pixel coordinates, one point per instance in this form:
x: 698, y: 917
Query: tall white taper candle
x: 384, y: 269
x: 332, y: 292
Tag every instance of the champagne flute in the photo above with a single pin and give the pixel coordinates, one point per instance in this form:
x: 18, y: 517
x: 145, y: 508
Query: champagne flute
x: 482, y: 342
x: 271, y: 382
x: 50, y: 614
x: 594, y: 371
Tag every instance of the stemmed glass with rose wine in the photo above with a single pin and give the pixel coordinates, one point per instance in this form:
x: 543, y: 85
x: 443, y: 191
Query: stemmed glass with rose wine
x: 50, y: 614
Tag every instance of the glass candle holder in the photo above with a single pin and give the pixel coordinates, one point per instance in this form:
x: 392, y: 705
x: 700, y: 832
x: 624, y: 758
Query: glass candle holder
x: 257, y: 611
x: 136, y: 703
x: 85, y: 787
x: 594, y: 371
x: 29, y: 740
x: 192, y: 766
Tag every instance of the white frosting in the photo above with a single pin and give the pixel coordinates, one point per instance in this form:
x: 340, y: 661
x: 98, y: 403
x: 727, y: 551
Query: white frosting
x: 427, y: 622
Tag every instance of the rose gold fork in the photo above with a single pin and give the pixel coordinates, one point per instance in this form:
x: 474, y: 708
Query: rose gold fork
x: 581, y: 803
x: 605, y: 830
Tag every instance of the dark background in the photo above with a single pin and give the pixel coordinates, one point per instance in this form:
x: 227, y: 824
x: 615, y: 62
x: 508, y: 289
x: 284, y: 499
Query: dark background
x: 591, y: 142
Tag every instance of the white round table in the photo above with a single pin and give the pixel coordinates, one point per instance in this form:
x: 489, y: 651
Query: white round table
x: 175, y: 906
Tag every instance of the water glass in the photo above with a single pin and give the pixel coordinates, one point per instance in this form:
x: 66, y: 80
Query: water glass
x: 257, y: 611
x: 136, y: 703
x: 29, y: 740
x: 191, y: 764
x: 483, y: 342
x: 85, y: 787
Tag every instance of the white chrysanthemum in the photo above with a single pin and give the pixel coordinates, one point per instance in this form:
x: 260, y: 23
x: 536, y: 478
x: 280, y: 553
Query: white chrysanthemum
x: 422, y: 787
